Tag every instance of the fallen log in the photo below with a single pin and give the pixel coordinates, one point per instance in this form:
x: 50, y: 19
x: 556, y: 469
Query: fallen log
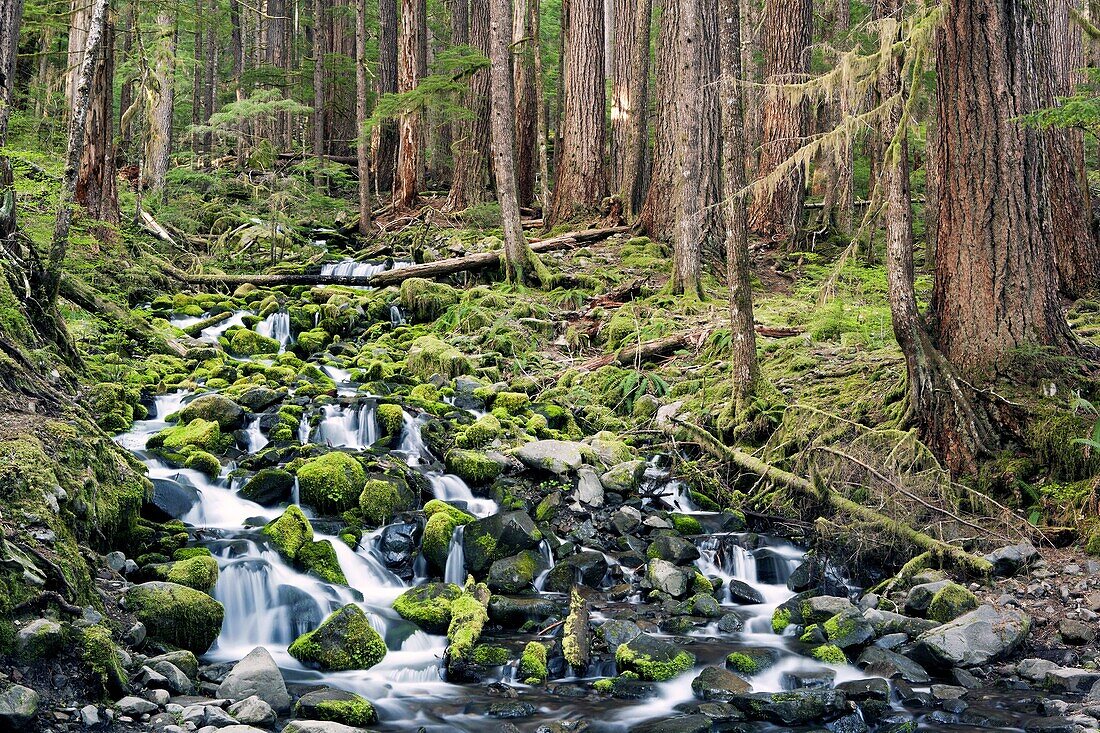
x: 818, y: 491
x: 79, y: 293
x: 630, y: 355
x: 441, y: 268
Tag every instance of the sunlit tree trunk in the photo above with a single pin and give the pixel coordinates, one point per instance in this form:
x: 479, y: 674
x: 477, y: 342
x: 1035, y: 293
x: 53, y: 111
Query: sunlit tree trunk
x: 527, y: 103
x: 471, y: 176
x: 630, y: 101
x: 159, y: 143
x: 410, y: 154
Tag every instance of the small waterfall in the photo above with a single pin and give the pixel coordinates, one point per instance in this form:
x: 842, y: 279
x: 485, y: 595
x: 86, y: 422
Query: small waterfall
x: 412, y: 443
x: 257, y: 441
x: 455, y: 571
x: 163, y: 406
x: 276, y: 326
x: 347, y: 427
x: 303, y: 428
x: 211, y: 334
x: 397, y: 316
x: 548, y: 555
x: 295, y: 493
x: 368, y: 426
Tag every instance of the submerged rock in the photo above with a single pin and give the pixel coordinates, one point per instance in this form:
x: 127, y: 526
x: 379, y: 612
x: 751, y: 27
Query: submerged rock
x: 256, y: 675
x: 344, y: 641
x: 652, y: 658
x: 336, y: 706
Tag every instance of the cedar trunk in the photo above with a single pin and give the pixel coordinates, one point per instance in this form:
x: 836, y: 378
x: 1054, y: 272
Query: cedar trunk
x: 158, y: 147
x: 11, y: 18
x: 471, y: 175
x: 410, y: 153
x: 630, y: 101
x: 686, y: 270
x: 385, y: 152
x: 658, y: 213
x: 361, y: 149
x: 526, y: 103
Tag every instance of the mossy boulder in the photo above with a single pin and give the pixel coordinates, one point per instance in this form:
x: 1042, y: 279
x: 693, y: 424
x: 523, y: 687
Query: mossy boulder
x: 624, y: 478
x: 216, y: 408
x: 468, y: 617
x: 558, y: 457
x: 320, y: 559
x: 391, y: 418
x: 653, y: 659
x: 514, y: 403
x: 517, y: 573
x: 382, y: 498
x: 331, y: 483
x: 436, y: 542
x: 178, y: 440
x: 200, y: 573
x: 487, y: 540
x: 484, y: 430
x: 532, y: 663
x: 344, y: 641
x: 176, y: 615
x: 753, y: 660
x: 101, y: 658
x: 428, y: 606
x: 246, y: 342
x: 950, y: 602
x: 609, y: 450
x: 312, y: 341
x: 438, y: 506
x: 268, y: 487
x: 203, y: 462
x: 473, y: 467
x: 425, y: 300
x: 428, y: 356
x: 336, y: 706
x: 290, y: 532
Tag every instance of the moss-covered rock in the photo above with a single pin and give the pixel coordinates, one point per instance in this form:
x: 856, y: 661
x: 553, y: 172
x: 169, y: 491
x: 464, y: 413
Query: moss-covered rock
x: 101, y: 659
x: 379, y: 501
x: 624, y: 478
x: 498, y: 536
x: 313, y: 340
x: 436, y: 542
x: 268, y: 487
x: 203, y: 462
x: 425, y: 300
x: 488, y: 655
x: 177, y: 615
x: 200, y: 573
x: 514, y: 403
x: 428, y: 606
x: 246, y: 342
x: 437, y: 506
x: 198, y: 434
x: 472, y: 466
x: 215, y: 408
x: 950, y: 602
x: 428, y: 356
x: 391, y: 418
x: 344, y: 641
x: 485, y: 430
x: 290, y: 532
x: 532, y: 664
x: 320, y: 559
x: 331, y: 483
x: 653, y: 659
x: 830, y: 654
x: 468, y: 618
x: 337, y: 706
x: 517, y: 573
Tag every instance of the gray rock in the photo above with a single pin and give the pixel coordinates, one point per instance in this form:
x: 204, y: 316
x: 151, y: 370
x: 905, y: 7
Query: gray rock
x: 1011, y: 560
x: 668, y: 578
x: 129, y: 568
x: 848, y: 629
x: 257, y: 674
x: 616, y: 632
x: 589, y: 489
x: 884, y: 663
x: 586, y: 567
x: 872, y: 688
x: 89, y: 716
x: 1069, y: 679
x: 135, y: 706
x: 39, y: 638
x: 116, y: 561
x: 920, y: 596
x: 809, y: 679
x: 675, y: 550
x: 1035, y: 670
x: 177, y: 682
x: 730, y: 623
x: 887, y: 622
x: 626, y: 520
x: 319, y: 726
x: 172, y: 499
x: 182, y: 659
x: 242, y: 729
x: 217, y: 717
x: 136, y: 635
x: 715, y: 683
x: 552, y: 456
x: 794, y: 708
x: 160, y: 697
x: 517, y: 573
x: 819, y: 609
x: 975, y: 638
x: 624, y: 478
x: 891, y: 641
x: 313, y: 704
x: 1076, y: 633
x: 253, y: 711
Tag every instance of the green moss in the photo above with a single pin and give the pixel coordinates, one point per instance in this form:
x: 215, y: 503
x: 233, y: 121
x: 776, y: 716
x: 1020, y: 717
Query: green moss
x: 391, y: 418
x: 487, y: 655
x: 320, y: 558
x: 344, y: 641
x: 428, y: 606
x: 573, y: 633
x: 742, y: 663
x: 246, y: 342
x: 379, y: 501
x: 436, y: 542
x: 514, y: 402
x: 604, y: 686
x: 471, y: 466
x: 100, y: 656
x: 425, y: 300
x: 429, y: 356
x: 436, y: 506
x: 186, y: 553
x: 331, y: 483
x: 1053, y: 442
x: 355, y: 712
x: 203, y: 462
x: 175, y: 614
x: 290, y: 532
x: 200, y: 573
x: 532, y: 664
x: 781, y: 619
x: 485, y: 430
x: 1092, y: 547
x: 950, y: 602
x: 810, y: 633
x: 702, y: 584
x: 112, y: 405
x: 829, y: 654
x: 649, y: 669
x: 312, y: 341
x: 685, y: 525
x: 468, y: 618
x: 199, y: 434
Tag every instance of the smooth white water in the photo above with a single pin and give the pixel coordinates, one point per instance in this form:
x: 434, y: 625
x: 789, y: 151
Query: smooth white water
x: 277, y: 326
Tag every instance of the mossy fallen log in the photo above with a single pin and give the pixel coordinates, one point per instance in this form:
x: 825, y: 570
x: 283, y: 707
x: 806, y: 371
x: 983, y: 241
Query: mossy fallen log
x: 430, y: 270
x: 817, y: 490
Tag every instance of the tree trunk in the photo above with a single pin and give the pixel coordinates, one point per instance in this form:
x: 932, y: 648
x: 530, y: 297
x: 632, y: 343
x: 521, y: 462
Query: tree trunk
x: 81, y: 94
x: 519, y: 261
x: 385, y: 152
x: 97, y: 181
x: 1076, y: 249
x: 210, y: 81
x: 527, y: 104
x: 776, y: 211
x: 158, y: 146
x: 126, y: 89
x: 581, y: 178
x: 630, y: 101
x: 196, y: 86
x: 471, y: 170
x: 543, y: 107
x: 319, y: 87
x: 362, y: 90
x: 687, y: 270
x: 11, y: 19
x: 995, y: 284
x: 658, y: 213
x: 745, y: 368
x: 410, y: 154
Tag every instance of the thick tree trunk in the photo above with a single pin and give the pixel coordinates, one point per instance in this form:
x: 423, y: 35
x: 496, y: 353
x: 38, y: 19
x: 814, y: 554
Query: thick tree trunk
x: 776, y: 212
x: 158, y: 146
x: 210, y: 68
x: 995, y: 283
x: 519, y: 261
x: 581, y: 177
x: 361, y: 148
x: 658, y: 213
x: 97, y: 181
x: 196, y: 86
x: 410, y: 154
x: 745, y: 368
x: 630, y: 101
x: 11, y: 19
x: 81, y: 94
x: 319, y: 87
x: 534, y: 9
x: 687, y: 253
x: 126, y: 89
x: 471, y: 170
x: 523, y: 40
x: 1076, y: 249
x: 385, y: 152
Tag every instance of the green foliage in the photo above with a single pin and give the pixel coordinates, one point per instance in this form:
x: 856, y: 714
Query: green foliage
x: 830, y: 654
x: 1081, y: 111
x: 439, y: 94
